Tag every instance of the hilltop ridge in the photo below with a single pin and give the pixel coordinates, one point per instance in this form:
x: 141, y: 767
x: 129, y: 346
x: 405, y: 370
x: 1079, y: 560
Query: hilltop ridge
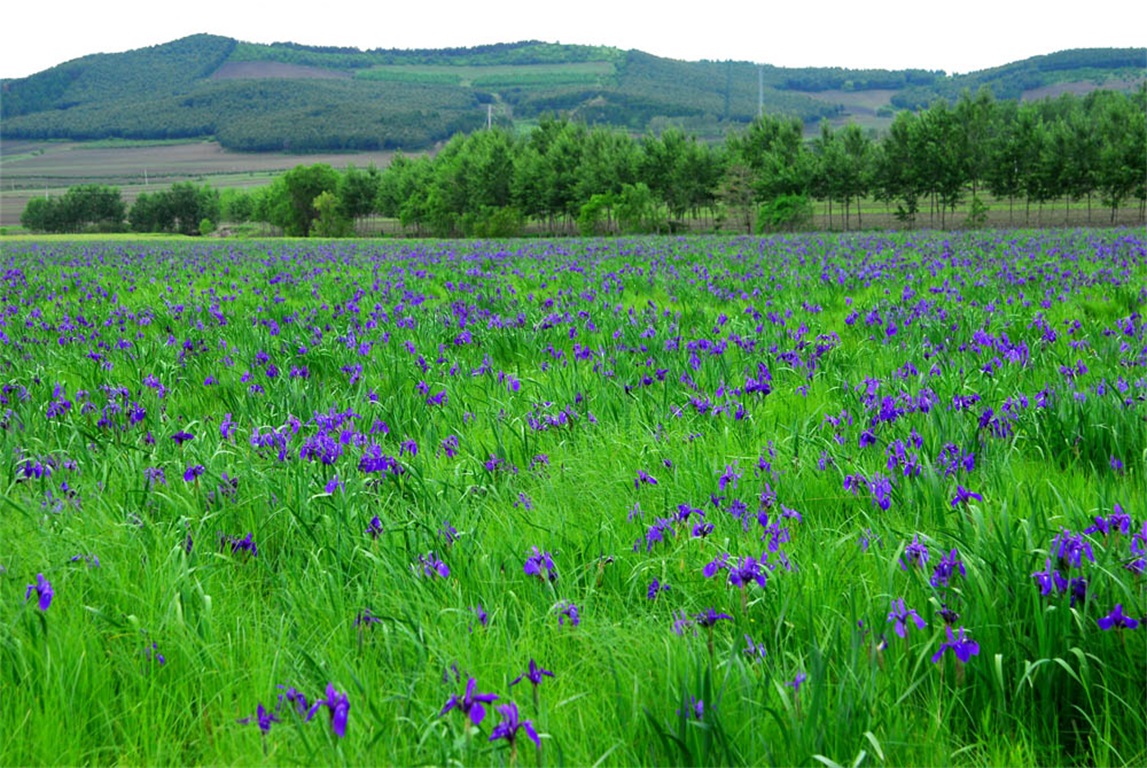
x: 300, y: 98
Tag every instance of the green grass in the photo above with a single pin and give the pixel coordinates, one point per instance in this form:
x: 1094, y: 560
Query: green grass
x: 577, y: 324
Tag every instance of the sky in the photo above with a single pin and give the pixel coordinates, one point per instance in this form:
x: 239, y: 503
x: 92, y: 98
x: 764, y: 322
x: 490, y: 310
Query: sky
x: 955, y: 37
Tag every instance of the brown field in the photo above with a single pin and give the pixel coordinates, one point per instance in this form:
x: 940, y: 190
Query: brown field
x: 31, y: 168
x: 246, y: 70
x: 1078, y: 88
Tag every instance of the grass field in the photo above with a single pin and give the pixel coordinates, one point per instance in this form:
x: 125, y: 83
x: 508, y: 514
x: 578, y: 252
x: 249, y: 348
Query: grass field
x: 818, y: 500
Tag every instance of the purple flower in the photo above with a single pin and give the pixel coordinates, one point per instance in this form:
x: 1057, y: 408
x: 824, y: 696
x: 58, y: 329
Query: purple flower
x: 430, y: 566
x: 374, y: 530
x: 566, y: 609
x: 366, y: 618
x: 534, y: 675
x: 702, y: 529
x: 1118, y: 520
x: 43, y: 591
x: 246, y: 544
x: 448, y: 533
x: 946, y: 569
x: 797, y: 682
x: 916, y: 554
x: 709, y: 617
x: 748, y: 569
x: 654, y: 588
x: 1117, y: 620
x: 182, y: 437
x: 960, y: 645
x: 192, y: 472
x: 540, y: 564
x: 295, y: 697
x: 262, y: 717
x: 730, y: 475
x: 643, y: 477
x: 470, y: 704
x: 695, y: 709
x: 511, y: 724
x: 711, y: 568
x: 226, y: 427
x: 901, y: 615
x: 754, y: 651
x: 964, y: 496
x: 1050, y: 579
x: 480, y: 612
x: 339, y: 706
x: 1071, y: 548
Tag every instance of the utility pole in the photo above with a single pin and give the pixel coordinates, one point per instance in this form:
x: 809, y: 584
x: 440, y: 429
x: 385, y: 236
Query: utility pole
x: 760, y: 90
x: 489, y: 115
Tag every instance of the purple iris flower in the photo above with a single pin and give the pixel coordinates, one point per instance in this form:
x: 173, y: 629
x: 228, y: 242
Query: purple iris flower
x: 511, y: 724
x: 534, y: 675
x: 262, y: 717
x: 339, y: 706
x: 540, y: 564
x: 192, y: 472
x: 960, y: 645
x: 430, y: 565
x: 710, y: 617
x: 182, y: 437
x: 567, y: 610
x: 644, y: 477
x: 1117, y: 619
x: 470, y: 704
x: 946, y: 569
x: 964, y: 496
x: 755, y: 651
x: 43, y: 591
x: 748, y: 569
x: 901, y: 615
x: 916, y: 554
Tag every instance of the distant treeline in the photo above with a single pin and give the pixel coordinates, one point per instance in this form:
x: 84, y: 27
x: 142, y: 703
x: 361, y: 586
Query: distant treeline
x: 566, y: 175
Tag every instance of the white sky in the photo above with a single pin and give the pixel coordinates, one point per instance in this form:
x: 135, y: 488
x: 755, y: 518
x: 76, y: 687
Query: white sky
x: 956, y: 36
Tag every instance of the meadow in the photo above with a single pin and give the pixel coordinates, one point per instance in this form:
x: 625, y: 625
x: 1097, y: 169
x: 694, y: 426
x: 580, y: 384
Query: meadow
x: 810, y: 500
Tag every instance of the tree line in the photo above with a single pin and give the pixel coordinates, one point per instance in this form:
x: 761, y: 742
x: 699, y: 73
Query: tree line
x: 565, y: 176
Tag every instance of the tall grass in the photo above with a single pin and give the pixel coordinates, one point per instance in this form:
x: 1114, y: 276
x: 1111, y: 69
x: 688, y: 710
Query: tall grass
x: 601, y: 399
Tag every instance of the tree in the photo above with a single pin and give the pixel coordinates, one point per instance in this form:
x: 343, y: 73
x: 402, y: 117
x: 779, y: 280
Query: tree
x: 292, y: 197
x: 639, y: 210
x: 81, y: 208
x: 329, y: 220
x: 358, y: 192
x: 895, y: 168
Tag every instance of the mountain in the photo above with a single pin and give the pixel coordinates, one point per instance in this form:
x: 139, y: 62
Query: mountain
x: 302, y: 98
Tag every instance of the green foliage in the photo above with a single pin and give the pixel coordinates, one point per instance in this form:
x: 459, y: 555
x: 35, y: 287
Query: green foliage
x: 179, y: 210
x: 291, y: 200
x: 416, y: 98
x: 206, y: 227
x: 787, y: 213
x: 85, y: 208
x: 595, y: 216
x: 977, y: 213
x: 639, y: 210
x: 329, y: 219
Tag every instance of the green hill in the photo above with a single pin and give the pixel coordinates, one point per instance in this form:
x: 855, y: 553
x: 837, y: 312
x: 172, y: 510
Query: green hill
x: 301, y: 98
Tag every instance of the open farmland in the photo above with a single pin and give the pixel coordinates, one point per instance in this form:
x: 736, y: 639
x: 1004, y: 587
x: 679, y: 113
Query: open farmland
x: 31, y: 168
x: 788, y: 501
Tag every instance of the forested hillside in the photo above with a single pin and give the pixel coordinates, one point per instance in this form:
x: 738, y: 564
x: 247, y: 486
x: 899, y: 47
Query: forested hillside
x: 290, y: 97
